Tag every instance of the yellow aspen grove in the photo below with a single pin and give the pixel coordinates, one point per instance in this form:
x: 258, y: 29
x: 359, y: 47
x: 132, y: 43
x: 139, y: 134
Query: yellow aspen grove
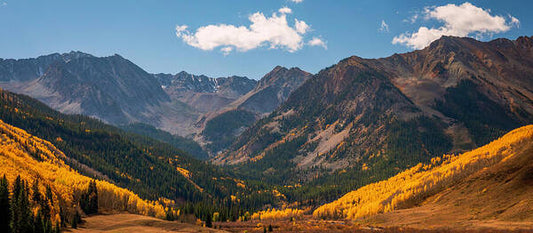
x: 32, y: 158
x: 273, y: 214
x: 414, y: 185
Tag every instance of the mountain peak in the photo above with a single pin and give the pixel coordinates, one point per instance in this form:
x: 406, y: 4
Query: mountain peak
x: 447, y: 43
x: 75, y: 55
x: 278, y: 68
x: 183, y: 72
x: 525, y: 41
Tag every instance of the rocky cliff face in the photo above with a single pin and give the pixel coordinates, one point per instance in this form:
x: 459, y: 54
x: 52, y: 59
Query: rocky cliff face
x: 222, y: 127
x: 381, y: 114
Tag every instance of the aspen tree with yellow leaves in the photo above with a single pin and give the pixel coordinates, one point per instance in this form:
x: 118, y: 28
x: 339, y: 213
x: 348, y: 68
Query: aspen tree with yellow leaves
x: 58, y: 189
x: 423, y: 180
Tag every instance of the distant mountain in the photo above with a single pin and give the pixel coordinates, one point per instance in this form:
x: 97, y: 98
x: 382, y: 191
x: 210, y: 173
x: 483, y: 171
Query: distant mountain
x: 205, y: 94
x: 12, y: 70
x: 110, y: 88
x: 491, y: 183
x: 119, y: 92
x: 272, y: 90
x: 373, y: 117
x: 222, y: 127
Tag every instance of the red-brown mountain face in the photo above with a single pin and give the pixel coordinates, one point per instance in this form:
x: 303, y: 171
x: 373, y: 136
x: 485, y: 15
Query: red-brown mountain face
x: 382, y: 115
x: 502, y: 70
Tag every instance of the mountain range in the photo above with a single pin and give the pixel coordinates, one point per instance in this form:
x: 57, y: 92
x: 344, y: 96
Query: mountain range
x: 373, y: 117
x: 454, y: 95
x: 118, y: 92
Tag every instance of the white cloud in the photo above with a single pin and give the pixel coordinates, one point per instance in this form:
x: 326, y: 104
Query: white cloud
x: 413, y: 18
x: 285, y: 10
x: 297, y: 1
x: 459, y: 20
x: 317, y: 42
x: 3, y: 4
x: 301, y: 26
x: 514, y: 21
x: 384, y: 26
x: 226, y: 50
x: 273, y: 31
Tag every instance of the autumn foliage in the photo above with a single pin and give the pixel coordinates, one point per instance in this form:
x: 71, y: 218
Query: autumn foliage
x: 32, y: 158
x: 423, y: 180
x: 273, y: 214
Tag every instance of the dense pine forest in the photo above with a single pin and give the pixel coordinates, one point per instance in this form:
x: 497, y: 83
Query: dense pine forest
x: 16, y: 210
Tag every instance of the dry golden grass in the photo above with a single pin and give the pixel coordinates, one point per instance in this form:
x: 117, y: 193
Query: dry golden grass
x: 132, y: 223
x: 489, y: 188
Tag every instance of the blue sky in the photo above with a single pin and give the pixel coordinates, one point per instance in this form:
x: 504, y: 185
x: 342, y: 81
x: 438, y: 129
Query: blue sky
x: 145, y: 31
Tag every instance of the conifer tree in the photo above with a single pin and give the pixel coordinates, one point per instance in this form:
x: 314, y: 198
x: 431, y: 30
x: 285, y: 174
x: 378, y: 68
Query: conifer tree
x: 21, y: 215
x: 38, y: 223
x: 36, y: 195
x: 93, y: 197
x: 208, y: 221
x: 5, y: 206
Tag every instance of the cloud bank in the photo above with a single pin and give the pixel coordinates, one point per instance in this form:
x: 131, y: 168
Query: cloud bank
x: 274, y: 32
x: 459, y: 20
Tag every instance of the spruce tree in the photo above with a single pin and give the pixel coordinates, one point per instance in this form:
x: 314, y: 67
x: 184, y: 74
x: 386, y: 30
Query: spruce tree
x: 49, y: 194
x: 89, y: 199
x: 93, y: 197
x: 208, y: 221
x: 5, y: 206
x: 21, y: 215
x: 38, y: 223
x: 15, y: 208
x: 36, y: 195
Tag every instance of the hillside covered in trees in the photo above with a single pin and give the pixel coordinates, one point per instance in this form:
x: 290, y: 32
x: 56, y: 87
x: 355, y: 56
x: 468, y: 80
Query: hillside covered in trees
x: 491, y: 182
x: 150, y: 168
x: 58, y: 194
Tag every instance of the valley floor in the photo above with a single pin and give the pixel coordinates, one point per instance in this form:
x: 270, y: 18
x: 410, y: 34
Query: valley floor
x: 412, y: 220
x: 396, y: 225
x: 430, y: 217
x: 132, y: 223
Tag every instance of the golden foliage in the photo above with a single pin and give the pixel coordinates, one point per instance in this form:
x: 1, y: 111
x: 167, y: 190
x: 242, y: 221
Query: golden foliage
x: 184, y: 172
x: 273, y: 214
x: 414, y: 185
x: 34, y: 158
